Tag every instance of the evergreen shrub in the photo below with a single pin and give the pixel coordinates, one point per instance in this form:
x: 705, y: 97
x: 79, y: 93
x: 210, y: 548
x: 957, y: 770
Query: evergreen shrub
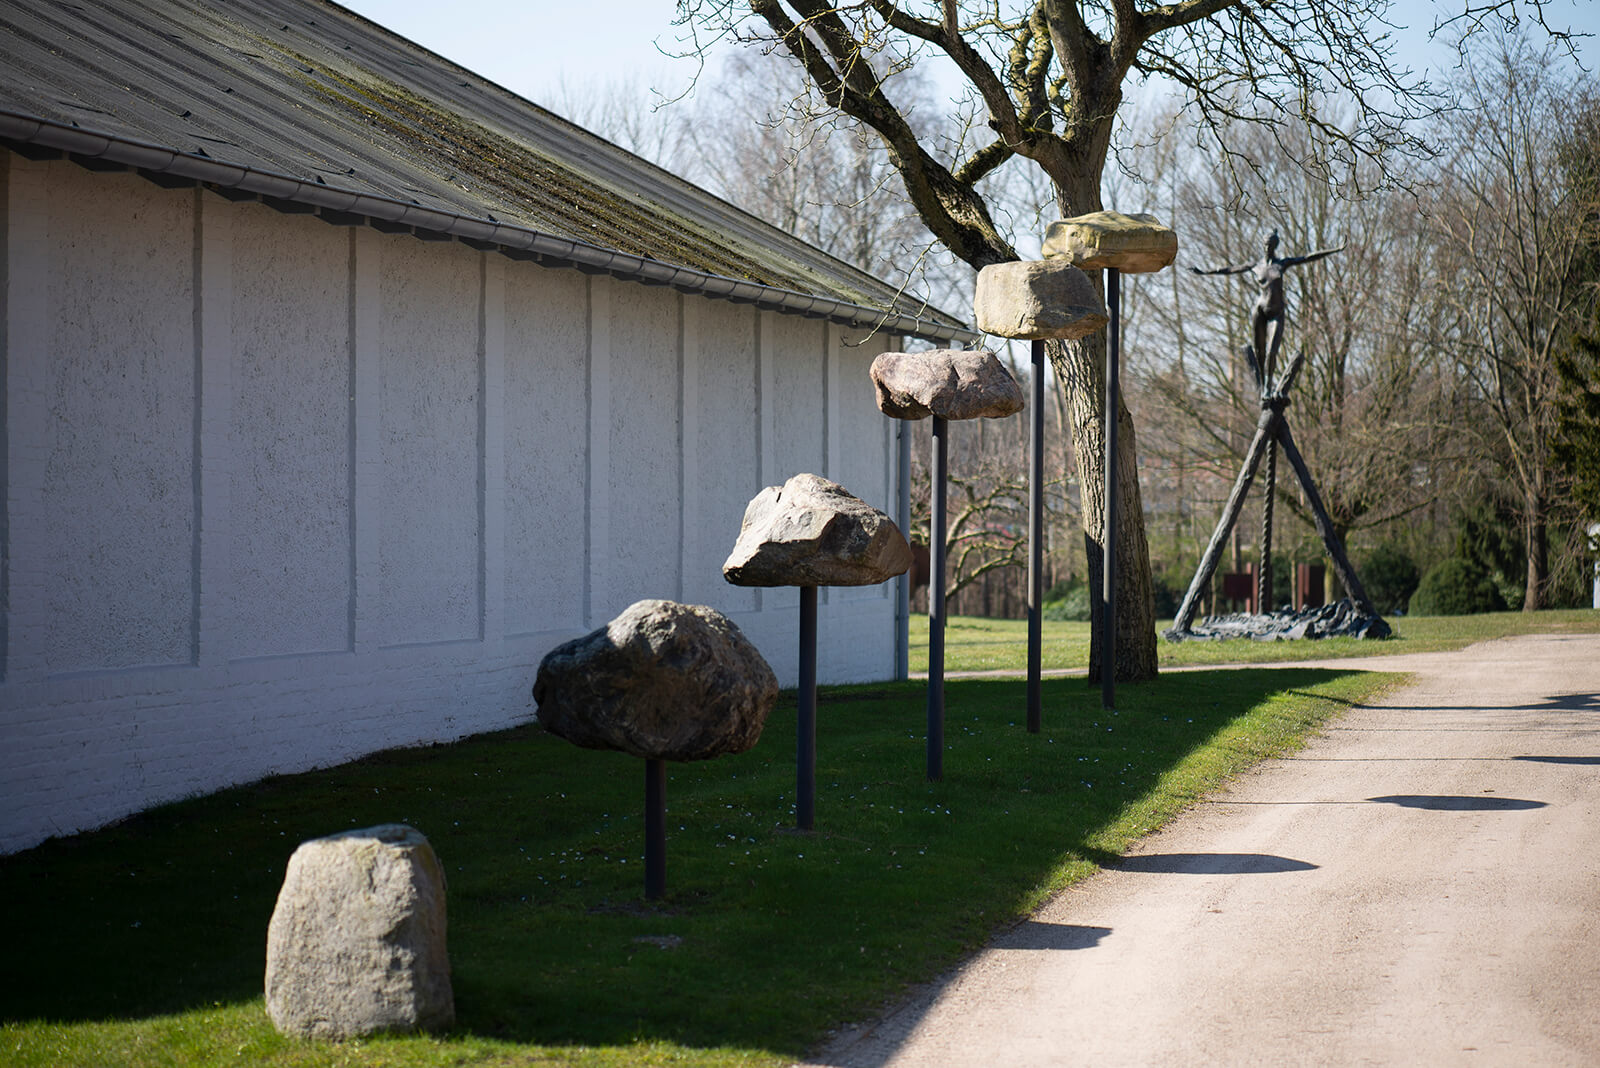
x: 1390, y: 576
x: 1456, y: 587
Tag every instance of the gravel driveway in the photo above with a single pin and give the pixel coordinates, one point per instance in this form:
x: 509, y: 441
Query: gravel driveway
x: 1420, y: 885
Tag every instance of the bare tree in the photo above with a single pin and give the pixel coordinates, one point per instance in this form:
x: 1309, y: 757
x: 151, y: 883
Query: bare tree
x: 1514, y: 227
x: 1048, y: 77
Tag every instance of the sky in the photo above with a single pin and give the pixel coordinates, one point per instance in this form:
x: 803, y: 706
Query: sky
x: 549, y: 50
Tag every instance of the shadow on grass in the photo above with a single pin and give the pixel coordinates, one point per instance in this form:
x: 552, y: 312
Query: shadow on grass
x: 766, y: 937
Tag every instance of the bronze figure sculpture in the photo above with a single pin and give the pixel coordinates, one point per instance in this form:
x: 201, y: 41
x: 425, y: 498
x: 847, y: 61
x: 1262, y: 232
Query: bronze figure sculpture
x: 1272, y: 432
x: 1268, y: 320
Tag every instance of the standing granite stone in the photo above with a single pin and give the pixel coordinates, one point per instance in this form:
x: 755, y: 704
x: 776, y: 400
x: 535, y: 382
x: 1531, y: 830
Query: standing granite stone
x: 662, y: 681
x: 357, y: 940
x: 813, y: 532
x: 1036, y: 299
x: 949, y: 383
x: 1132, y: 244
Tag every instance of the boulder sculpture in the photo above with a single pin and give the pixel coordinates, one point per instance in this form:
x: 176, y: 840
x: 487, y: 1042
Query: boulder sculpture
x: 1132, y: 244
x: 947, y: 383
x: 662, y: 681
x: 1032, y: 300
x: 357, y: 939
x: 813, y: 532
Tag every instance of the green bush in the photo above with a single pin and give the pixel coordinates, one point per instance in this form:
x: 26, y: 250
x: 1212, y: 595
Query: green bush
x: 1071, y: 603
x: 1167, y: 596
x: 1456, y: 587
x: 1390, y: 576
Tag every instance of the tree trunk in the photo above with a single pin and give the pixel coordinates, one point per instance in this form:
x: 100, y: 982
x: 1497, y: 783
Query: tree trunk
x: 1533, y: 530
x: 1080, y: 370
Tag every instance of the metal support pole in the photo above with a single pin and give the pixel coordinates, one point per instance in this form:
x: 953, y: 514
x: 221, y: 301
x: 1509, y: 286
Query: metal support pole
x: 902, y: 585
x: 805, y: 806
x: 1036, y: 542
x: 655, y: 828
x: 938, y: 473
x: 1108, y: 612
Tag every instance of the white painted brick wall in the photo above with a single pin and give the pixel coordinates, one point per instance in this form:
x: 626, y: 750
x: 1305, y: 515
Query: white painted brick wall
x: 280, y: 494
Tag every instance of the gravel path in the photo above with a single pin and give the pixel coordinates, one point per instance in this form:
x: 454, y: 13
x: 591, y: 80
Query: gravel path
x: 1420, y: 885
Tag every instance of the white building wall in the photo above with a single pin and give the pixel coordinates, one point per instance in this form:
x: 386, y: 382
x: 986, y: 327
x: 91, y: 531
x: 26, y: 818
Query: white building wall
x: 278, y: 493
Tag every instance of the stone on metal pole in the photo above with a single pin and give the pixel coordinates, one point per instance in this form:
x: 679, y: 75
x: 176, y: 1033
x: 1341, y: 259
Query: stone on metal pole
x: 662, y: 681
x: 812, y: 532
x: 946, y: 384
x: 1120, y: 244
x: 1035, y: 301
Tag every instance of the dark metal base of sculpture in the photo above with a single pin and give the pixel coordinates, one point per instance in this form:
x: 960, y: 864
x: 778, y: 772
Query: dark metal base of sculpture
x: 1342, y: 619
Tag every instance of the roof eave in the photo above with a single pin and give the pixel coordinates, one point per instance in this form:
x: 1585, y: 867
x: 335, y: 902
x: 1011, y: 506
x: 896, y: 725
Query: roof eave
x: 515, y: 240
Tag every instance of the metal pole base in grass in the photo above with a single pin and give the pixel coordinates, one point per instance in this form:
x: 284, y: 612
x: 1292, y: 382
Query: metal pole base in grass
x: 936, y: 584
x: 655, y: 828
x: 1036, y: 541
x: 805, y: 807
x: 1108, y: 592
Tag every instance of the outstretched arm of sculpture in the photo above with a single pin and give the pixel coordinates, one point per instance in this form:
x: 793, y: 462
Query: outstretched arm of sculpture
x: 1243, y: 267
x: 1295, y: 261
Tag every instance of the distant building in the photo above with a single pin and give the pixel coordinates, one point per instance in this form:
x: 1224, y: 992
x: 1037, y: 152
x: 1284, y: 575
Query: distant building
x: 338, y: 385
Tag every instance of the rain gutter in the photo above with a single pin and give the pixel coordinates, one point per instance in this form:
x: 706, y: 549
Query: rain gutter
x: 519, y: 242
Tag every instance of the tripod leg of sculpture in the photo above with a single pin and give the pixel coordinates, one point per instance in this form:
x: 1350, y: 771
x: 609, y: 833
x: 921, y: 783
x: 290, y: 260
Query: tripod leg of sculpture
x: 1330, y: 540
x: 1270, y: 486
x: 1230, y: 515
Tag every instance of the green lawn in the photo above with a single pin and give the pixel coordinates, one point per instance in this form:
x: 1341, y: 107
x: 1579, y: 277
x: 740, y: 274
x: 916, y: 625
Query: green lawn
x: 143, y: 944
x: 975, y: 644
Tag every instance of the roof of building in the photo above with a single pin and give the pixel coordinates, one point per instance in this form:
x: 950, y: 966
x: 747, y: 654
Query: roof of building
x: 312, y: 107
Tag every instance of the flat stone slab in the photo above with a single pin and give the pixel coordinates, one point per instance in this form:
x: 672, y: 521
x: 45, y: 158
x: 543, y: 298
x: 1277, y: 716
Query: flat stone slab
x: 814, y: 532
x: 949, y: 383
x: 1132, y: 244
x: 1341, y: 619
x: 1037, y: 299
x: 357, y: 939
x: 662, y: 681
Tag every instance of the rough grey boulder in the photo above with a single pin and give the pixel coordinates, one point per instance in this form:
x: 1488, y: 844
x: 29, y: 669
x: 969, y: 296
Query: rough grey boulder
x: 813, y: 532
x: 663, y: 681
x: 1037, y: 299
x: 949, y: 383
x: 356, y: 944
x: 1132, y: 244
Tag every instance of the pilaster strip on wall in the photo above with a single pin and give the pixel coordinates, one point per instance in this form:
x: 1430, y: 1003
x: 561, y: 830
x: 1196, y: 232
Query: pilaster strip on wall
x: 766, y: 408
x: 492, y: 451
x: 832, y: 417
x: 213, y: 295
x: 690, y: 513
x: 598, y: 494
x: 833, y: 386
x: 366, y: 444
x: 28, y: 317
x: 5, y: 415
